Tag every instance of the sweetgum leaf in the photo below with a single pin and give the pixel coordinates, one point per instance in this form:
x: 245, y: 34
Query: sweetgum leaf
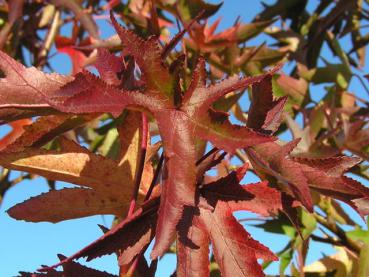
x: 132, y: 235
x: 179, y: 185
x: 69, y: 203
x: 323, y: 175
x: 76, y: 269
x: 178, y: 126
x: 270, y: 158
x: 111, y: 184
x: 234, y: 249
x: 24, y: 89
x: 148, y: 56
x: 212, y: 125
x: 190, y: 9
x: 326, y: 176
x: 46, y: 128
x: 89, y: 94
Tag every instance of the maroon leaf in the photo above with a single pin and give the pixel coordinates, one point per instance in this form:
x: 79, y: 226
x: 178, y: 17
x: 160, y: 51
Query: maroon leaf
x: 193, y: 245
x: 234, y: 249
x: 265, y: 113
x: 76, y: 269
x: 132, y: 235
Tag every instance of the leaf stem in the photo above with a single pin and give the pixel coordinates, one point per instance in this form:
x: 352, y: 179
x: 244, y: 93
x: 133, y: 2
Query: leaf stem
x: 212, y: 151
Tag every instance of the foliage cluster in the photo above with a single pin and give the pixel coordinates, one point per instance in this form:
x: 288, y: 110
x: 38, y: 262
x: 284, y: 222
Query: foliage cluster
x: 96, y: 129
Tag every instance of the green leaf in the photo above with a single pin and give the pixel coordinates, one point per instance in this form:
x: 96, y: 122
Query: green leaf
x: 331, y: 73
x: 359, y: 235
x: 110, y: 145
x: 285, y: 260
x: 278, y: 226
x: 189, y: 9
x: 309, y: 222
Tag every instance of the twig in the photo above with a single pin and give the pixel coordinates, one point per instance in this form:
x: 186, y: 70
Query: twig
x: 212, y: 151
x: 358, y: 153
x: 50, y: 37
x: 362, y: 83
x: 155, y: 178
x: 243, y: 158
x: 339, y: 232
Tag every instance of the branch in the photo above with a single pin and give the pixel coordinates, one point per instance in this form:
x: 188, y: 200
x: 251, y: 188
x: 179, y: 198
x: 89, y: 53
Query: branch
x: 340, y: 233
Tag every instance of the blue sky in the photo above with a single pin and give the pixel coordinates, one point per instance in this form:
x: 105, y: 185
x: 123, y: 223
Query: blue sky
x: 26, y: 246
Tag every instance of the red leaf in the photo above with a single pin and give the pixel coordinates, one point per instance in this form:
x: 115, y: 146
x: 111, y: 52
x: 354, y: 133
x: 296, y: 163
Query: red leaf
x: 89, y: 94
x: 323, y: 175
x: 326, y: 176
x: 179, y: 185
x: 78, y: 58
x: 199, y: 99
x: 235, y: 251
x: 109, y: 66
x: 16, y: 132
x: 272, y: 159
x: 24, y: 89
x: 148, y: 56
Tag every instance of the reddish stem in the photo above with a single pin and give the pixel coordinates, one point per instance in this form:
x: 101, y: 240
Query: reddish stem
x: 212, y: 151
x: 140, y: 166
